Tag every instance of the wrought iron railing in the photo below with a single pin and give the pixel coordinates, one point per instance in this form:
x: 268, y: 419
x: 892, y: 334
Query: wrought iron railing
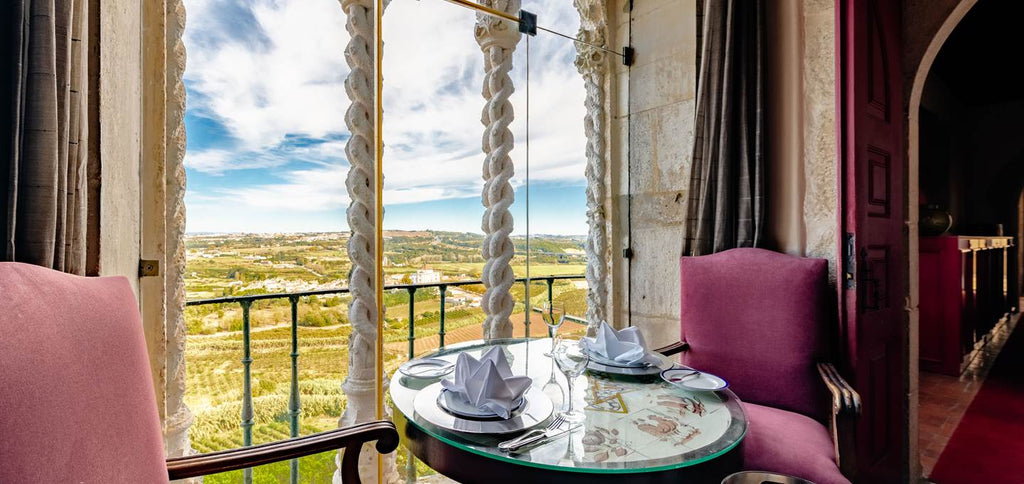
x: 294, y: 405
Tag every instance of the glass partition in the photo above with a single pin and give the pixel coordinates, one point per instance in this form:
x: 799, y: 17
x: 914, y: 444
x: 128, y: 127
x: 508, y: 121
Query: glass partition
x: 483, y: 164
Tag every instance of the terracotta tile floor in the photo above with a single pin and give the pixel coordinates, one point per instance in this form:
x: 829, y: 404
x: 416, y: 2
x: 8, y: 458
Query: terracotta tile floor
x: 943, y: 399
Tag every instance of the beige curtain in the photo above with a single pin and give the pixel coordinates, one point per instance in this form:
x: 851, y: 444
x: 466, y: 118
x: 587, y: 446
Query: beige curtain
x: 43, y: 133
x: 727, y: 199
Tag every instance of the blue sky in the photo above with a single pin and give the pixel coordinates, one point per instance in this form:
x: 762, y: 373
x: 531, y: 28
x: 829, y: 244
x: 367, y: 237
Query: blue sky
x: 266, y: 129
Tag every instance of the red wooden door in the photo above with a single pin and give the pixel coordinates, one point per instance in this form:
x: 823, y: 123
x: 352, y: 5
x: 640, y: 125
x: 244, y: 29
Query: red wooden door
x: 872, y: 229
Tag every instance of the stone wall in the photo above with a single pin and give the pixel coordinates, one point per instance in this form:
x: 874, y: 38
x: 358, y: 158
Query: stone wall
x: 801, y: 141
x: 120, y: 132
x: 652, y: 109
x: 652, y: 137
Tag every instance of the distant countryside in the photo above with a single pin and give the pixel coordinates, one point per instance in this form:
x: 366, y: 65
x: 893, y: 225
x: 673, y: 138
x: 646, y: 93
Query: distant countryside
x: 220, y: 265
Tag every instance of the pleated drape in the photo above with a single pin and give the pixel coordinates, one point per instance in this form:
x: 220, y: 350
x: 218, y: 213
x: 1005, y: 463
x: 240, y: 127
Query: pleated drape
x: 43, y: 133
x: 727, y: 180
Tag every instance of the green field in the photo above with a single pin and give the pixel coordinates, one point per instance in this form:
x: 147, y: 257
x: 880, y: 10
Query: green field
x: 255, y: 264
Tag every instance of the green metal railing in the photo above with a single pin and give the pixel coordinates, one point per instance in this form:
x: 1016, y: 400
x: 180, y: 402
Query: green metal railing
x: 294, y: 405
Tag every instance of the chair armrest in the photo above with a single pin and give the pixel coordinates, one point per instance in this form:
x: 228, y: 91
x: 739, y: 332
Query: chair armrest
x: 674, y: 348
x: 846, y: 407
x: 351, y: 438
x: 844, y: 397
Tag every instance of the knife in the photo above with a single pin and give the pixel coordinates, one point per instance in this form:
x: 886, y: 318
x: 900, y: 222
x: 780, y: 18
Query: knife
x: 534, y: 437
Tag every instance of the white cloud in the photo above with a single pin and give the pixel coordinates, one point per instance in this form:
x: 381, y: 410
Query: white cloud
x: 280, y: 72
x: 433, y: 102
x: 270, y: 71
x: 313, y: 189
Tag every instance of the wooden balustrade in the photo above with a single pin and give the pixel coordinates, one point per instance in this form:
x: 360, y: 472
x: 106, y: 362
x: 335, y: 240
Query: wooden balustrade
x: 964, y: 293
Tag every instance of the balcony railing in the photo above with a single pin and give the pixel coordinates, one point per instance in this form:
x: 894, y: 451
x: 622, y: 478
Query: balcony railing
x: 294, y: 405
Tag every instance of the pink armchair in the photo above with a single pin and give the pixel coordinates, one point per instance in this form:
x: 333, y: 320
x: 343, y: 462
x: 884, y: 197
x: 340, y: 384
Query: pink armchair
x: 760, y: 320
x: 76, y: 394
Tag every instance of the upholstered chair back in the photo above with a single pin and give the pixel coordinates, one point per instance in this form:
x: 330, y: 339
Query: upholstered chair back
x: 76, y: 392
x: 760, y: 320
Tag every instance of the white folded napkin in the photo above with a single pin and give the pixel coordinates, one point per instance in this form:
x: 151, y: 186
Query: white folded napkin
x: 488, y: 383
x: 626, y: 346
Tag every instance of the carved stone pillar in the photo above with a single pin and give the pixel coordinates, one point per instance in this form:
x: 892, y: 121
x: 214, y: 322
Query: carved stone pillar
x: 179, y: 417
x: 359, y: 386
x: 497, y: 39
x: 592, y: 63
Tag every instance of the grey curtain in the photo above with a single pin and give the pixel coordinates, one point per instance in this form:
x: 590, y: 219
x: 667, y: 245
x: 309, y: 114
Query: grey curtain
x: 727, y: 178
x: 43, y: 133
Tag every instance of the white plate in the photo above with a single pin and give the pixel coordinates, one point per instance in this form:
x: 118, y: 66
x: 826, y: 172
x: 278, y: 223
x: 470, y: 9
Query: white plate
x: 610, y: 362
x: 704, y: 382
x: 536, y: 408
x: 457, y: 405
x: 605, y: 365
x: 426, y: 368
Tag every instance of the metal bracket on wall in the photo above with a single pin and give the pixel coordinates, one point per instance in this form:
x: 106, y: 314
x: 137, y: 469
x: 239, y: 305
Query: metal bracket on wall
x: 849, y: 261
x: 627, y: 56
x: 528, y: 23
x: 149, y: 268
x: 627, y: 253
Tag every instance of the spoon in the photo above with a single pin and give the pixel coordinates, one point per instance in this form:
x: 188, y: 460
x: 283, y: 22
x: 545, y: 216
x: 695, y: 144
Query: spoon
x: 689, y: 376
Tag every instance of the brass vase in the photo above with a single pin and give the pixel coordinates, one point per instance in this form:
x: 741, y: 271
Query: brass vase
x: 934, y: 220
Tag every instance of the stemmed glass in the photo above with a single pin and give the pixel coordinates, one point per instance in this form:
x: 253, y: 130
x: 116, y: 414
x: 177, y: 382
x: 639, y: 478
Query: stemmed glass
x: 553, y: 315
x: 571, y: 361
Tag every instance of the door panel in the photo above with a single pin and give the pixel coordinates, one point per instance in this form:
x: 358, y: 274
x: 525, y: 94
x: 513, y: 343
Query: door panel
x: 872, y: 213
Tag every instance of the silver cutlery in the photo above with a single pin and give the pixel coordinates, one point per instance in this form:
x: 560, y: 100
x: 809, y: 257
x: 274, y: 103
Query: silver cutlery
x: 553, y: 430
x: 689, y: 376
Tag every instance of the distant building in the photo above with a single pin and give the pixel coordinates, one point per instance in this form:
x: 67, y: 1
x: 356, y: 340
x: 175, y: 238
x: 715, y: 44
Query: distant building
x: 425, y: 276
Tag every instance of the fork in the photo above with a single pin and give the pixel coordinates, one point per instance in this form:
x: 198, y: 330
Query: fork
x: 533, y: 434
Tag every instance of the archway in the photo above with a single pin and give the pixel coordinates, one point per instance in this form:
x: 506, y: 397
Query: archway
x: 994, y: 178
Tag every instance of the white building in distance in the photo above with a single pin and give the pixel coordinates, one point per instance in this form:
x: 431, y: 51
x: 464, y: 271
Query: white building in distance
x: 425, y: 276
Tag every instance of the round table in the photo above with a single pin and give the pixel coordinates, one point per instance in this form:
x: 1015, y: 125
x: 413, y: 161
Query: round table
x: 637, y: 427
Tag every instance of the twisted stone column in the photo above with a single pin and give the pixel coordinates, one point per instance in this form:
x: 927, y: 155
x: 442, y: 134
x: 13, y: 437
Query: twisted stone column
x: 359, y: 386
x: 592, y: 63
x: 497, y: 39
x: 179, y: 417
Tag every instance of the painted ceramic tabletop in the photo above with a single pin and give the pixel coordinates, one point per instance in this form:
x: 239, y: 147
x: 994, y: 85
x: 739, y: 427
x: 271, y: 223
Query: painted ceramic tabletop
x: 632, y: 424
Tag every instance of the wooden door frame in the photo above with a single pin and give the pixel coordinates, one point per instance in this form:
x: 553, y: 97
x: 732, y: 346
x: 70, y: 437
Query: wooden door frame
x: 917, y: 65
x: 870, y: 131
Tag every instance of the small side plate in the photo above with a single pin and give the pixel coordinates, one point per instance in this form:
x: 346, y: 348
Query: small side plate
x: 426, y: 368
x: 703, y: 382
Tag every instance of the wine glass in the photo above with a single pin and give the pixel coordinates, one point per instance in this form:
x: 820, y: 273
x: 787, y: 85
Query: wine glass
x: 571, y: 361
x: 553, y: 314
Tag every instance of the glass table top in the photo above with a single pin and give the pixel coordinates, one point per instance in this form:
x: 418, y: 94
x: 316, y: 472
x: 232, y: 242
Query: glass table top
x: 633, y: 424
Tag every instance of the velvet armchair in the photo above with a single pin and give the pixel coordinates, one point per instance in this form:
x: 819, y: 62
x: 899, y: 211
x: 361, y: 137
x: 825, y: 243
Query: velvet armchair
x: 762, y: 321
x: 77, y: 401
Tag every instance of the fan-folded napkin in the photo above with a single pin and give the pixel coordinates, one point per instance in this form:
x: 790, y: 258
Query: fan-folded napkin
x: 625, y: 346
x: 488, y: 383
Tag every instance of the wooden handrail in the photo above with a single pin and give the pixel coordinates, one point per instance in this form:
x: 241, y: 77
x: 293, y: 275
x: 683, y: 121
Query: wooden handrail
x: 351, y: 438
x: 674, y: 348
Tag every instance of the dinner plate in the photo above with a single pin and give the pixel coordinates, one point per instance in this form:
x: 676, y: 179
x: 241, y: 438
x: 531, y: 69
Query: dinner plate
x: 610, y: 362
x: 607, y: 365
x: 536, y: 408
x: 426, y: 368
x: 703, y: 382
x: 456, y: 404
